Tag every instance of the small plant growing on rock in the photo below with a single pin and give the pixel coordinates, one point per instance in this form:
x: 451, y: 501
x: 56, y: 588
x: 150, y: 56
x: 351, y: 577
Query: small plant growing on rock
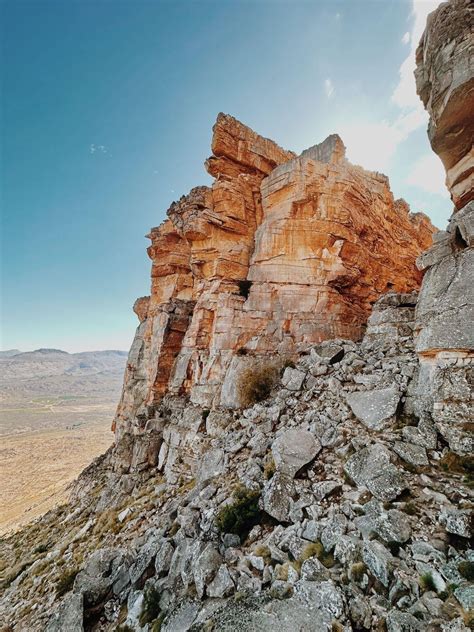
x: 255, y: 382
x: 151, y: 606
x: 240, y: 516
x: 427, y: 583
x: 269, y: 468
x: 66, y: 581
x: 466, y: 570
x: 358, y: 570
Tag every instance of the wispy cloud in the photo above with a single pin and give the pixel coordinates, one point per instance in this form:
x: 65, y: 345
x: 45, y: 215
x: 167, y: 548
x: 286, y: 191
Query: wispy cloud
x: 328, y: 88
x: 404, y: 95
x: 94, y: 149
x: 373, y: 143
x: 428, y: 174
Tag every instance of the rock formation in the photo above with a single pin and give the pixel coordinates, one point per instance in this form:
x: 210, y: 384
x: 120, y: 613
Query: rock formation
x: 332, y: 503
x: 445, y: 311
x: 281, y: 252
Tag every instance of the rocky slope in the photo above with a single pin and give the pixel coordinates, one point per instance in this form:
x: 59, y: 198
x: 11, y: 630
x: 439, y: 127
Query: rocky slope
x: 341, y: 499
x: 329, y: 506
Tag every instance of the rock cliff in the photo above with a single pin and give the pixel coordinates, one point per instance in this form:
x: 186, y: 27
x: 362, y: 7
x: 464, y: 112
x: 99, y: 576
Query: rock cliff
x: 445, y: 311
x: 281, y: 252
x: 341, y: 500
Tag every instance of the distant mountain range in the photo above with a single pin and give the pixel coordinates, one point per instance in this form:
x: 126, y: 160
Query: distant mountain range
x: 53, y: 371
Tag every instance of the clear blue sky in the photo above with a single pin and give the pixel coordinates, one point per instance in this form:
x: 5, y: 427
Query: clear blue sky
x: 107, y: 109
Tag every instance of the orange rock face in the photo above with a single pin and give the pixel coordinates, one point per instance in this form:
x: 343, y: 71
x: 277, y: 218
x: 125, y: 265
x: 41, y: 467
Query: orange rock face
x: 281, y: 252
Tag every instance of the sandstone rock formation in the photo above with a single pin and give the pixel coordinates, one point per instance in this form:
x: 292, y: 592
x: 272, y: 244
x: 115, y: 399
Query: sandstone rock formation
x: 281, y: 252
x: 445, y: 312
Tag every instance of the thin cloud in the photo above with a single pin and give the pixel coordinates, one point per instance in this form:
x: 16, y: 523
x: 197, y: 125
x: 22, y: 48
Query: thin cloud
x: 373, y: 143
x: 404, y: 95
x: 428, y: 174
x: 94, y: 149
x: 328, y: 88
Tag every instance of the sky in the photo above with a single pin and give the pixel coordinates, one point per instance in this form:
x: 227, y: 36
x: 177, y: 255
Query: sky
x: 107, y: 108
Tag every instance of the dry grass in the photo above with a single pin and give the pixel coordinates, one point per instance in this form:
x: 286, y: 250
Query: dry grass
x: 255, y: 383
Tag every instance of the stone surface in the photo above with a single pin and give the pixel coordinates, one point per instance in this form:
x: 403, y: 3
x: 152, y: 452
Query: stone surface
x: 445, y: 83
x: 278, y: 253
x: 69, y: 616
x: 374, y: 408
x: 293, y: 449
x: 371, y: 468
x: 277, y: 497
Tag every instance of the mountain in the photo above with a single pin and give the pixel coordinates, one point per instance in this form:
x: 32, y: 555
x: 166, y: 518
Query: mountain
x: 54, y: 372
x: 9, y: 352
x: 56, y: 410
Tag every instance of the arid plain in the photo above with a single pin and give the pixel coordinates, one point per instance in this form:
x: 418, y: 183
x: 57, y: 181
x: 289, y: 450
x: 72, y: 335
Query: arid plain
x: 55, y: 415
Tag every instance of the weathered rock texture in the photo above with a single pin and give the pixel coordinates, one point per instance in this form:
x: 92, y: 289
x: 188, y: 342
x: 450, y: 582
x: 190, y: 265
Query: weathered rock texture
x: 281, y: 252
x: 445, y: 312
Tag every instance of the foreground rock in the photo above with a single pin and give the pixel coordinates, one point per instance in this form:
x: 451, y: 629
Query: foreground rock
x: 445, y: 343
x: 291, y: 514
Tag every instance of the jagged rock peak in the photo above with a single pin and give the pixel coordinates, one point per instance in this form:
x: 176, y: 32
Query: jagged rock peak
x: 280, y: 252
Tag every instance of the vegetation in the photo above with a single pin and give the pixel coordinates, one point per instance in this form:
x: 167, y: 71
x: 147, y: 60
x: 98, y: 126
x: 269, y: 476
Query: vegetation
x: 358, y: 570
x: 151, y: 606
x: 243, y: 514
x: 66, y: 581
x: 466, y: 570
x: 426, y: 582
x: 256, y: 382
x: 269, y: 467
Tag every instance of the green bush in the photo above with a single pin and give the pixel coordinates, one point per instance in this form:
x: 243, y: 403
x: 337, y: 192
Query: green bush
x: 358, y: 570
x: 256, y: 382
x: 66, y: 581
x: 466, y: 569
x: 427, y: 582
x: 242, y: 514
x: 151, y: 606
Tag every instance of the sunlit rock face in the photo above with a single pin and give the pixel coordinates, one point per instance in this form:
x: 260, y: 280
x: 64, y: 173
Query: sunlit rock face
x: 281, y: 252
x: 445, y: 311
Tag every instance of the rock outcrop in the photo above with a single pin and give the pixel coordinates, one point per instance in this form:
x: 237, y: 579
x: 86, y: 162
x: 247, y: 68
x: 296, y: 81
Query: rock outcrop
x: 445, y: 311
x: 281, y: 252
x: 293, y: 514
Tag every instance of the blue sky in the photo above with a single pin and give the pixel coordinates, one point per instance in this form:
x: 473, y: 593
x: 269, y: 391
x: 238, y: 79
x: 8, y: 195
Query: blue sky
x: 107, y: 110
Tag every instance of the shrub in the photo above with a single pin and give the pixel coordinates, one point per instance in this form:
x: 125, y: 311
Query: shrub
x: 358, y: 570
x: 269, y: 468
x: 66, y: 581
x: 466, y: 570
x: 41, y: 548
x: 151, y: 606
x: 410, y: 508
x: 242, y: 514
x: 426, y: 582
x: 255, y: 383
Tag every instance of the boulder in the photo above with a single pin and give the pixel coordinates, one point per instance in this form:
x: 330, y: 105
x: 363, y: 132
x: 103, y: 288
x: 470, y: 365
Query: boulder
x: 375, y: 408
x: 68, y: 616
x: 293, y: 449
x: 378, y: 560
x: 371, y: 468
x: 277, y: 495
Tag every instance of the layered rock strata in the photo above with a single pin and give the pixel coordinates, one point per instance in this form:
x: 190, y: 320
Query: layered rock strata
x: 445, y: 312
x: 281, y: 252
